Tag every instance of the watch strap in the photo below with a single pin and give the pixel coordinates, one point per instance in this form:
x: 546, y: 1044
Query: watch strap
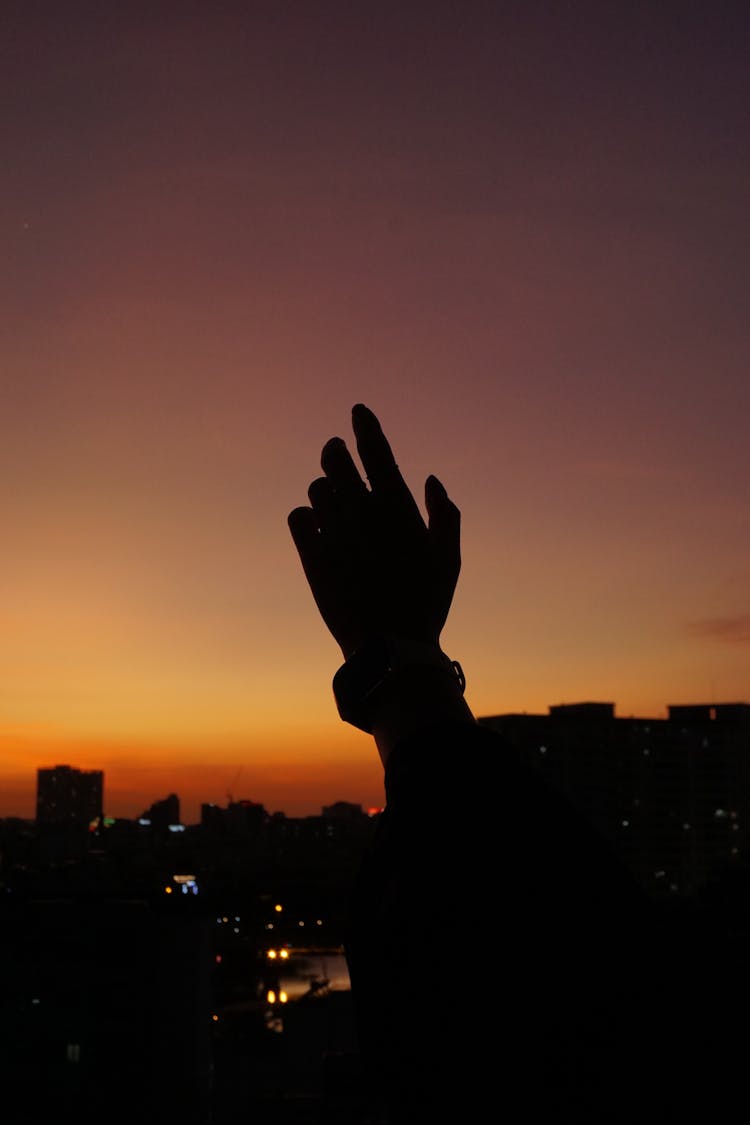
x: 359, y: 680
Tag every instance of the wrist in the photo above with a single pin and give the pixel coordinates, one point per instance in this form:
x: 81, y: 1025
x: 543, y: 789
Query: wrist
x: 392, y: 685
x: 415, y: 699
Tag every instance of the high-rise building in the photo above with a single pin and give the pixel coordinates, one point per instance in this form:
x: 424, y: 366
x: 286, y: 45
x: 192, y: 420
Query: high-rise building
x: 65, y: 795
x: 672, y: 795
x: 243, y: 818
x: 164, y: 813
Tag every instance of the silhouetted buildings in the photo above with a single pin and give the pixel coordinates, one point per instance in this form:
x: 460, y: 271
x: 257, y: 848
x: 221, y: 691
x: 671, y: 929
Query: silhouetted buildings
x: 136, y: 963
x: 673, y: 795
x: 164, y: 814
x: 342, y: 811
x: 240, y: 819
x: 106, y: 1010
x: 66, y: 795
x: 134, y: 971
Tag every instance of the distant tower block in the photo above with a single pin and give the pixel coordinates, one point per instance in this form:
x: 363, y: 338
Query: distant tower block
x: 65, y: 795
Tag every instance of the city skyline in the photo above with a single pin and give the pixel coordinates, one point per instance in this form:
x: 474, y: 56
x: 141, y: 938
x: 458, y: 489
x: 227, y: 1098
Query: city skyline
x: 515, y: 232
x: 697, y: 712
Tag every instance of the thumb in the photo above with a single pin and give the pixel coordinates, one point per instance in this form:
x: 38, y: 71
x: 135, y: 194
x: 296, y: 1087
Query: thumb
x: 444, y: 526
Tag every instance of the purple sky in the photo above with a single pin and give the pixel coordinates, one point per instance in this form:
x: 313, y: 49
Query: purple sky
x: 518, y: 232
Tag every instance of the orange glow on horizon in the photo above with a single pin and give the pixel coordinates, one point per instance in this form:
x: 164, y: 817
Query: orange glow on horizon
x: 135, y: 775
x: 535, y: 284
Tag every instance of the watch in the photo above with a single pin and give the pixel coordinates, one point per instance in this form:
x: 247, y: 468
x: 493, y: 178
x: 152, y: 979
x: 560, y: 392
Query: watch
x: 360, y: 679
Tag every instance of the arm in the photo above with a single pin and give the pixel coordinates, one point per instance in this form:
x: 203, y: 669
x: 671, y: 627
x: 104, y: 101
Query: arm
x: 474, y: 856
x: 379, y: 573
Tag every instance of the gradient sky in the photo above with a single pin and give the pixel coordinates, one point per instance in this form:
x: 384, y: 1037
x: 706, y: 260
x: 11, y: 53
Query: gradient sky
x: 517, y: 231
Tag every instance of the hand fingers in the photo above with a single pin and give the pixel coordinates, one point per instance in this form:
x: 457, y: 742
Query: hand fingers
x: 444, y: 524
x: 338, y: 514
x: 323, y: 501
x: 338, y: 465
x: 303, y: 526
x: 379, y: 463
x: 322, y: 573
x: 373, y: 447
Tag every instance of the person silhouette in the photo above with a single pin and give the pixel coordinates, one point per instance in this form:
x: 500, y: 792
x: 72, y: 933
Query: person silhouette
x: 495, y: 944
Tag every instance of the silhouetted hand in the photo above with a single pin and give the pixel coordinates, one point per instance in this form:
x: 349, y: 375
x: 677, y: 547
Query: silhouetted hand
x: 374, y: 566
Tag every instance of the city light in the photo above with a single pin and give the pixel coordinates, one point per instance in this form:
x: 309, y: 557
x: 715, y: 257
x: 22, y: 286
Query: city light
x: 187, y: 883
x: 272, y: 997
x: 272, y: 954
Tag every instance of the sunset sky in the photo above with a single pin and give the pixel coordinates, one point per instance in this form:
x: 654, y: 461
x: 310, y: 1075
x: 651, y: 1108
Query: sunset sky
x: 517, y: 231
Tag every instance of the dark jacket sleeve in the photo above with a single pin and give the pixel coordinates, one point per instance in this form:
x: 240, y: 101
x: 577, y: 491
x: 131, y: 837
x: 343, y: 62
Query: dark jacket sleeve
x: 497, y: 943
